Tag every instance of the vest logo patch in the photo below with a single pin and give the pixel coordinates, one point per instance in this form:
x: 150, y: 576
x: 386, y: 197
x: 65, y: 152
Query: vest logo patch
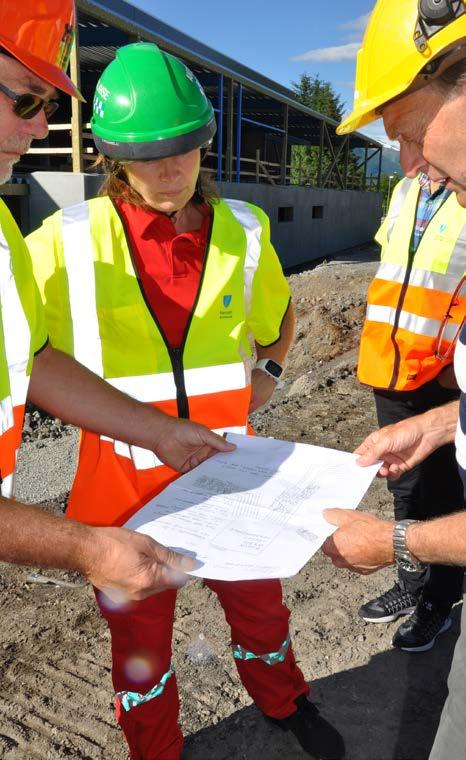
x: 443, y: 227
x: 226, y: 313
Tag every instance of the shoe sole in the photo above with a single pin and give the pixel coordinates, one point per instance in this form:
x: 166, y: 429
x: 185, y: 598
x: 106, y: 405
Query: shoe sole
x: 388, y: 618
x: 427, y: 647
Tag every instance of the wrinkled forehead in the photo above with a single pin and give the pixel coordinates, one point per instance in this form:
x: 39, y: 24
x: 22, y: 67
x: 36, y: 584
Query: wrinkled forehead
x: 409, y: 116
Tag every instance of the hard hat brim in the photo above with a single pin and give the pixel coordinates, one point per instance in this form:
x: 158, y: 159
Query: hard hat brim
x: 47, y: 71
x: 155, y: 149
x: 356, y: 120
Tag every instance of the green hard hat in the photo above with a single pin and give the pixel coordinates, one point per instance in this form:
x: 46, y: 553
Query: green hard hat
x: 149, y: 105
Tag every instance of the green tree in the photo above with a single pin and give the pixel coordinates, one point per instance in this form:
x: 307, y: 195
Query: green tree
x: 319, y: 95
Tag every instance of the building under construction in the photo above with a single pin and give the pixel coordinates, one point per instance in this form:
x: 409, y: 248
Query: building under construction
x: 256, y: 154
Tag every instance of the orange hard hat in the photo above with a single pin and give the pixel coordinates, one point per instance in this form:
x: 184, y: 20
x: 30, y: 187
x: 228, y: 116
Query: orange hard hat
x: 40, y: 34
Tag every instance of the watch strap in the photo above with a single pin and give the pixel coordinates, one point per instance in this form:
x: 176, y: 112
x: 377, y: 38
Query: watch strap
x: 403, y: 557
x: 271, y: 368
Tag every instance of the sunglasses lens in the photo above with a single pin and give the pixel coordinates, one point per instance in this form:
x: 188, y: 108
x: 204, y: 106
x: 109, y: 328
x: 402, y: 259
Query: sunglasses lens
x: 50, y: 108
x: 28, y: 106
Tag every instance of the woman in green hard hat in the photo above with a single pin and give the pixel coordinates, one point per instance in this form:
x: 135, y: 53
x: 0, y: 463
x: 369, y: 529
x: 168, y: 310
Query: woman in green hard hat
x: 157, y: 286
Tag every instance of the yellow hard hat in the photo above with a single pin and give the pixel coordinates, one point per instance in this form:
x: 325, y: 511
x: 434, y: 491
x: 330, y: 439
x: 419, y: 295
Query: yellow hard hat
x: 407, y: 44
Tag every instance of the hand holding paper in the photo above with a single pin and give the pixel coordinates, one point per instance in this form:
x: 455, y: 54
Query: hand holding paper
x: 255, y: 512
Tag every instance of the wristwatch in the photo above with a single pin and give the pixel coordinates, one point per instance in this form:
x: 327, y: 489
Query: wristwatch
x: 403, y: 557
x: 271, y: 368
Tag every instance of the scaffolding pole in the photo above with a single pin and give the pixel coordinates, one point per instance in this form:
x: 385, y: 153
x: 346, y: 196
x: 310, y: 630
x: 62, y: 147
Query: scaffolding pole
x: 76, y: 111
x: 284, y: 146
x: 220, y: 129
x: 239, y: 116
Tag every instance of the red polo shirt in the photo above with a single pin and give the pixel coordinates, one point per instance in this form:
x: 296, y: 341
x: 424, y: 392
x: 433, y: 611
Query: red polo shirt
x: 169, y: 266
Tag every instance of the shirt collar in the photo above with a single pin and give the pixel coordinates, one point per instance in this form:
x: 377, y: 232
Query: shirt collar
x: 424, y: 182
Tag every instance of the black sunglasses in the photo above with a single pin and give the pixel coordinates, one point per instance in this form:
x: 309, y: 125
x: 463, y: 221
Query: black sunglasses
x: 28, y: 105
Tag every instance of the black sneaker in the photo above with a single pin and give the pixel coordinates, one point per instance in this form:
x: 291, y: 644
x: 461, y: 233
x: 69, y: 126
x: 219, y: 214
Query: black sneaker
x: 389, y: 606
x: 418, y: 634
x: 318, y: 738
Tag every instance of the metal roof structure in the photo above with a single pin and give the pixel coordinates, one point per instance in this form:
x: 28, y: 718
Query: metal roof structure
x: 259, y: 120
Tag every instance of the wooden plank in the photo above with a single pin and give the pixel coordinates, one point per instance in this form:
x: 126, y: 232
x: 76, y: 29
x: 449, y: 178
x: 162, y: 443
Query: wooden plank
x: 76, y: 111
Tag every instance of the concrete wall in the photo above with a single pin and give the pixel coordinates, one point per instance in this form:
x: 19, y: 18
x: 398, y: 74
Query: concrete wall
x: 50, y: 191
x: 348, y: 218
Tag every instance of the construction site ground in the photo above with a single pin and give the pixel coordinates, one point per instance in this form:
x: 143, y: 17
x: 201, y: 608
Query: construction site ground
x: 55, y: 688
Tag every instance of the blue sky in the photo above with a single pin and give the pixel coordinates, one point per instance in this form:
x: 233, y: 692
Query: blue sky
x: 279, y: 38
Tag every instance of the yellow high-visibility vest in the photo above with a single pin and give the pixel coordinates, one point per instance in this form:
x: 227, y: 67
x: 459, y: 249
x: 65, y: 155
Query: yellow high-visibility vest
x: 96, y: 311
x: 22, y: 334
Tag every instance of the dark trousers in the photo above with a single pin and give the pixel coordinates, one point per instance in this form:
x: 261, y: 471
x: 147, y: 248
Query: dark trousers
x: 430, y: 489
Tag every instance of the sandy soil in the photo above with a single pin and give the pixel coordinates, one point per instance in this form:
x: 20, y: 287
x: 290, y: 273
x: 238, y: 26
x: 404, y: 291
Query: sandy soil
x: 55, y: 692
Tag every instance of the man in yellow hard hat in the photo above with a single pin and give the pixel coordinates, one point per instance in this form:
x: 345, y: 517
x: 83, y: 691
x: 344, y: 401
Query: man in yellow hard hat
x: 35, y: 41
x: 411, y: 70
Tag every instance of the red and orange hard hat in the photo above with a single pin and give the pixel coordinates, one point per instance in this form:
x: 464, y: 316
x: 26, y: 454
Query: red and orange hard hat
x: 40, y: 34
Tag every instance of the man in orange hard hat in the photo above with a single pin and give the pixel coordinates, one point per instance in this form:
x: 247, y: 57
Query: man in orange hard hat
x: 35, y: 42
x: 412, y: 71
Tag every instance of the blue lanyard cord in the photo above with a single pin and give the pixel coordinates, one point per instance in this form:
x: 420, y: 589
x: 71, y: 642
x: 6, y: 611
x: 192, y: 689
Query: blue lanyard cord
x: 130, y: 699
x: 271, y: 658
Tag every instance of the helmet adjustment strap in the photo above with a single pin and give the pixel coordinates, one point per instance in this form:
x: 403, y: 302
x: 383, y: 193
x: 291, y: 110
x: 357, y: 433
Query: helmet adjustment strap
x: 433, y: 16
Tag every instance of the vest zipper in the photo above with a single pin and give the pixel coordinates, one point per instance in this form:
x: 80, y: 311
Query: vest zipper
x: 176, y: 358
x: 175, y: 354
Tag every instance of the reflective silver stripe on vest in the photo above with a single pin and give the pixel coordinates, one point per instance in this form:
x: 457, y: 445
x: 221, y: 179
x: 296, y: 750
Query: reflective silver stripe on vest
x: 253, y: 230
x: 79, y: 262
x: 397, y: 205
x: 17, y: 341
x: 7, y: 416
x: 143, y: 459
x: 198, y: 381
x: 408, y: 321
x: 421, y: 278
x: 17, y: 336
x: 8, y: 486
x: 457, y: 263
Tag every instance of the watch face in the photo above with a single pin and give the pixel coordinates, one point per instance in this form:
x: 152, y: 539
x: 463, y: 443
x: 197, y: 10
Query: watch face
x: 273, y: 368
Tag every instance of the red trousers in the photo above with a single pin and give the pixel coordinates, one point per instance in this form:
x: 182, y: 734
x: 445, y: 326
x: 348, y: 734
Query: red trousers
x: 259, y: 623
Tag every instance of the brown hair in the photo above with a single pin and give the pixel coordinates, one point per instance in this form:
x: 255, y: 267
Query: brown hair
x: 116, y: 185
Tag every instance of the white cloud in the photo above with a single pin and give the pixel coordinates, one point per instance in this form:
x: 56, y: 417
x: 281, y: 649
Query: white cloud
x: 346, y: 52
x: 356, y: 25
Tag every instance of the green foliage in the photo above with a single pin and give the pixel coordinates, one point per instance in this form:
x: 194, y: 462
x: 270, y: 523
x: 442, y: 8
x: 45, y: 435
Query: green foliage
x: 319, y: 95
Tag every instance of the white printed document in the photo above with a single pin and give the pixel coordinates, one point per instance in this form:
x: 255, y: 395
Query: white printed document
x: 255, y: 512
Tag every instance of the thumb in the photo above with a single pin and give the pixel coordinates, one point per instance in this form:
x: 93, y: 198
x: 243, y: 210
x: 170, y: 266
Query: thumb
x: 180, y: 562
x: 162, y: 555
x: 338, y: 517
x: 217, y: 442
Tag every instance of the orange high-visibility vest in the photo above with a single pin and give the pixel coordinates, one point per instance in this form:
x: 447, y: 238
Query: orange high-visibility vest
x: 22, y: 333
x: 96, y: 311
x: 410, y: 294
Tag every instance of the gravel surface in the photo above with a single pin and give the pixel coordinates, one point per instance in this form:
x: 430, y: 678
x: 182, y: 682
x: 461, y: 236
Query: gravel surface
x: 55, y: 693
